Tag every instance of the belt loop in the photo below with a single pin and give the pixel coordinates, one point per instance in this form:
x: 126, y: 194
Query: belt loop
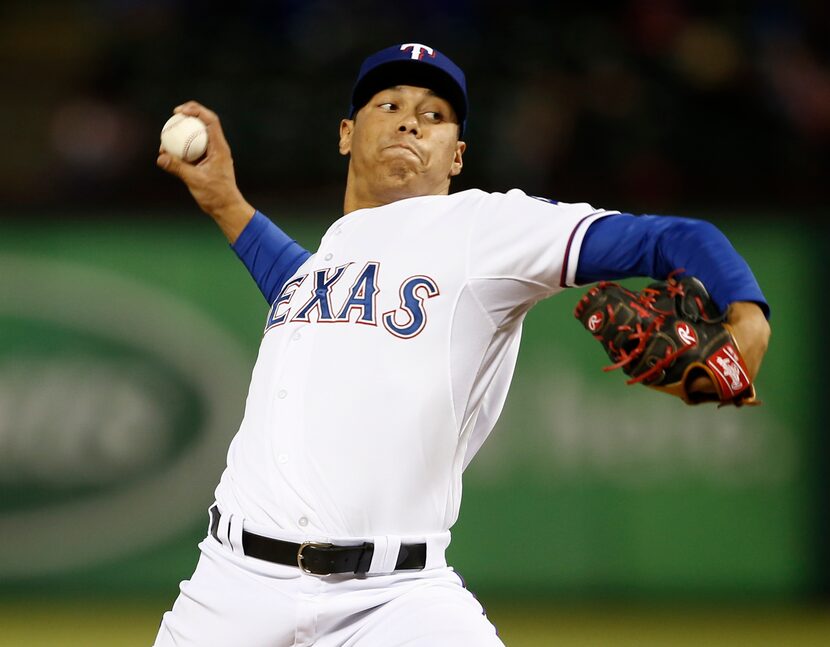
x: 235, y: 534
x: 213, y: 520
x: 385, y: 557
x: 222, y: 529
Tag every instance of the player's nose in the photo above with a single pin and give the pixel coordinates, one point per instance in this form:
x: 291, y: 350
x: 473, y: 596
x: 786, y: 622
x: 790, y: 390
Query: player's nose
x: 409, y: 123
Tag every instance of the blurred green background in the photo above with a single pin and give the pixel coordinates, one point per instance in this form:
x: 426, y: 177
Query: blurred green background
x: 125, y: 352
x: 596, y: 514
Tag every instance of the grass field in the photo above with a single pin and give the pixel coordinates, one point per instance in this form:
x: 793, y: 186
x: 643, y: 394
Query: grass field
x: 133, y: 624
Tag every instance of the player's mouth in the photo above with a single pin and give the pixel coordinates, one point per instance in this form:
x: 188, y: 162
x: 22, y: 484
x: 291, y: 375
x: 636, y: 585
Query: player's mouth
x: 404, y: 147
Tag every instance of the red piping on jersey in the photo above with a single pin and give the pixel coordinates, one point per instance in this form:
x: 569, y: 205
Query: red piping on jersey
x: 564, y: 275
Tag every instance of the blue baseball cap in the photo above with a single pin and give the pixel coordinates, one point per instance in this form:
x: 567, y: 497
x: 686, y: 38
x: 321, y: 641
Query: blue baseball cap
x: 412, y: 64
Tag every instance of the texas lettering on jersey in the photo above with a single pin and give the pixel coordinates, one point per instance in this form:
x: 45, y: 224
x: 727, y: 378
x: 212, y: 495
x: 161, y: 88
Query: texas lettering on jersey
x: 308, y: 299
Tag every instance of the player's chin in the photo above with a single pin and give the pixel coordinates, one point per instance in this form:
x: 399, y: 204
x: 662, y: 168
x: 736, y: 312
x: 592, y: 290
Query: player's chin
x: 402, y: 171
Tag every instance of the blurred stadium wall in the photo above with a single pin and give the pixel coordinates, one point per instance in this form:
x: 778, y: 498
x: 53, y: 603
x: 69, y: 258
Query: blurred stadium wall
x: 125, y: 351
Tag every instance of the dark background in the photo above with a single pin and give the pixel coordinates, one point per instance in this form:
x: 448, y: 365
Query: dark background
x: 644, y: 105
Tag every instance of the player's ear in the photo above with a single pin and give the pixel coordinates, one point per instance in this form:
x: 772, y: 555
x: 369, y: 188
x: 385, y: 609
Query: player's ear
x: 346, y: 130
x: 457, y: 160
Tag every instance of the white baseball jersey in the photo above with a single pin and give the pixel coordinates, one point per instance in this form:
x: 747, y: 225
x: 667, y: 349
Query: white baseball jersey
x: 386, y: 360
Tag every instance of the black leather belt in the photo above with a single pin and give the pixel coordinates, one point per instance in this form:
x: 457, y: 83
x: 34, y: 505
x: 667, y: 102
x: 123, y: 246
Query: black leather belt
x: 318, y: 558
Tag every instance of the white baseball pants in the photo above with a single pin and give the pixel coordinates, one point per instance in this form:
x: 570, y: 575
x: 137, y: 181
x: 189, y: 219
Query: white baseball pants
x: 237, y: 601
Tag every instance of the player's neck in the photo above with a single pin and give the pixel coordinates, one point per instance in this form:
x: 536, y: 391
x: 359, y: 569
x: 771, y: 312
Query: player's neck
x: 363, y: 195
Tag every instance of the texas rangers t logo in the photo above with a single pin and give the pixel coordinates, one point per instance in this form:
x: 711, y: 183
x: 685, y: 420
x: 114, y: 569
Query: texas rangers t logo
x: 418, y: 50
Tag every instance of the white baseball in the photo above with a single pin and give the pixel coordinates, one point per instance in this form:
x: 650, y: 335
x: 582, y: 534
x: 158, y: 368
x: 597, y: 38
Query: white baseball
x: 184, y: 137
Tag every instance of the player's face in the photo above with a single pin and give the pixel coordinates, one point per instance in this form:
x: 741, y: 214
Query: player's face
x: 403, y: 143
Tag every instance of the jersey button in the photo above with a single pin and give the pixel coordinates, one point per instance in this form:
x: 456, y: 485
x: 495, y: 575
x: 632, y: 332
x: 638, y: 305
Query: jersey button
x: 296, y: 336
x: 302, y: 521
x: 328, y: 257
x: 281, y: 395
x: 321, y: 292
x: 283, y: 458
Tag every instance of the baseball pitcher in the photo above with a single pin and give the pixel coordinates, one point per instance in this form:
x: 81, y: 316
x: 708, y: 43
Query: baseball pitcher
x: 386, y: 359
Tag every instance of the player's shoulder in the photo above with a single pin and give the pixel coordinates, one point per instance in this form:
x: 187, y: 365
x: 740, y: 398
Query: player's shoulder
x: 517, y: 199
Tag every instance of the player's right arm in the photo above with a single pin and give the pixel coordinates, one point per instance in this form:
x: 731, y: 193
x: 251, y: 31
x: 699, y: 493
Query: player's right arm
x: 269, y: 254
x: 212, y: 181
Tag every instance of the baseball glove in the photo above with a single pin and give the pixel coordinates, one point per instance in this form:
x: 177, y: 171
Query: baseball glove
x: 667, y: 335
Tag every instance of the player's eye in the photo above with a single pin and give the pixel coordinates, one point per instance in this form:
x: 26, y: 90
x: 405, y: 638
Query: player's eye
x: 388, y: 106
x: 433, y: 115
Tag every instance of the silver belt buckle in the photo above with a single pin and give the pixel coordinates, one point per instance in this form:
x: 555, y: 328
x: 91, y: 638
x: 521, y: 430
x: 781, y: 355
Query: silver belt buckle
x: 310, y: 544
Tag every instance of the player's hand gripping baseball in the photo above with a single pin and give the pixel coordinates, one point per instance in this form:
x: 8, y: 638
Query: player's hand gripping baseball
x: 211, y: 182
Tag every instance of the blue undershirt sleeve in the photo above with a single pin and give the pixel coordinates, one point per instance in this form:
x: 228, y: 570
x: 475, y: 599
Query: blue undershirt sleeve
x: 269, y: 254
x: 624, y: 245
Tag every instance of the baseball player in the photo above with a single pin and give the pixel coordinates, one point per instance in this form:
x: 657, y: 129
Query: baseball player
x: 385, y: 361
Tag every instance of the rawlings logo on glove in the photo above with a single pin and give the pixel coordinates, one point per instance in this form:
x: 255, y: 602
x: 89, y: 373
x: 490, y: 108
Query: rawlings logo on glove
x: 666, y: 336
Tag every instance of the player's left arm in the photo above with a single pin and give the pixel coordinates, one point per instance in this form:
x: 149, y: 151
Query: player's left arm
x: 624, y: 245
